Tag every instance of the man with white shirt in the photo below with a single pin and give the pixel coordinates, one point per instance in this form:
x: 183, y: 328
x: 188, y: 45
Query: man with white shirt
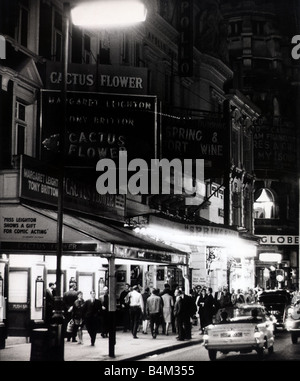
x: 154, y: 308
x: 136, y: 308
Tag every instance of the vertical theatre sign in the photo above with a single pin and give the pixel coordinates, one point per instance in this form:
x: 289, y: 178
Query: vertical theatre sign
x: 185, y: 45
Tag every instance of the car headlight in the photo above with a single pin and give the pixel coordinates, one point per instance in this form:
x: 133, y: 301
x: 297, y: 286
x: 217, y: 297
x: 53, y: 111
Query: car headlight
x: 289, y: 325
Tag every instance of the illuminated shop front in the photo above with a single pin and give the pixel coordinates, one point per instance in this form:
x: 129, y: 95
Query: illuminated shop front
x: 218, y: 256
x: 28, y: 245
x: 28, y: 260
x: 278, y: 261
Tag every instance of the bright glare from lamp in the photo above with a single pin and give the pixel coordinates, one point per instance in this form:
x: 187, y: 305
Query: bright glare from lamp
x: 270, y: 257
x: 109, y: 13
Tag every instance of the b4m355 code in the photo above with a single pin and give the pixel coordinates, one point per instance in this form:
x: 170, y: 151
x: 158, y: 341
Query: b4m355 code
x: 173, y: 370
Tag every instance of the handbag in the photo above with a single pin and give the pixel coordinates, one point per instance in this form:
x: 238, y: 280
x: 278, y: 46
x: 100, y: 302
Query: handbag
x: 70, y: 326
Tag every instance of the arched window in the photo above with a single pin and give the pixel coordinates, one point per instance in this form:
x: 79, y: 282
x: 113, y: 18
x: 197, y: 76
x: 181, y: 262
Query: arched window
x: 264, y: 204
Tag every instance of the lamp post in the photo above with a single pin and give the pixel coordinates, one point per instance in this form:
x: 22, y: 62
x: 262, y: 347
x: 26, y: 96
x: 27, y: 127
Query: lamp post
x: 93, y: 14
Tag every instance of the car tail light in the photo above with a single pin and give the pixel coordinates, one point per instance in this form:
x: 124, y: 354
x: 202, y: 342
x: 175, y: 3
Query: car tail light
x: 205, y: 335
x: 256, y: 332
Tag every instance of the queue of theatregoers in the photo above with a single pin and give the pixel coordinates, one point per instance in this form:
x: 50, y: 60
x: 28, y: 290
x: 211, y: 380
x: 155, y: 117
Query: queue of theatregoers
x: 149, y: 312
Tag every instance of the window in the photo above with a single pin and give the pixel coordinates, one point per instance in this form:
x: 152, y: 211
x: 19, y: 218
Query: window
x: 264, y: 204
x: 163, y: 8
x: 57, y: 37
x: 104, y: 54
x: 137, y: 54
x: 247, y: 153
x: 235, y: 142
x: 125, y: 50
x: 87, y: 49
x: 76, y: 44
x: 20, y: 128
x: 104, y: 49
x: 235, y: 28
x: 258, y: 27
x: 22, y: 31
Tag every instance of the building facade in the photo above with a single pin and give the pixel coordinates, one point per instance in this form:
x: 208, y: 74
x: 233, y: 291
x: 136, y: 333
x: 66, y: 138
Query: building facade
x: 153, y: 91
x: 260, y: 43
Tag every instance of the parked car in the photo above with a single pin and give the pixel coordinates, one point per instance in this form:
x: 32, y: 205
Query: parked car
x: 249, y: 329
x: 277, y: 303
x: 292, y: 323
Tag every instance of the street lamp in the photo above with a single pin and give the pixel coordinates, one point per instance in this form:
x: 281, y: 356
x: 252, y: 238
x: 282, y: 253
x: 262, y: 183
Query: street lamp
x: 93, y: 14
x: 108, y: 13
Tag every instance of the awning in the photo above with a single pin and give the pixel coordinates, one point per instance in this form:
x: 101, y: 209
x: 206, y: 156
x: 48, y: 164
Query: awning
x: 81, y: 235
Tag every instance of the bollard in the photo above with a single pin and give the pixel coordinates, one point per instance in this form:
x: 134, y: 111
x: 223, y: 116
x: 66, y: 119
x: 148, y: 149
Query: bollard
x: 2, y: 335
x: 39, y: 344
x: 56, y: 343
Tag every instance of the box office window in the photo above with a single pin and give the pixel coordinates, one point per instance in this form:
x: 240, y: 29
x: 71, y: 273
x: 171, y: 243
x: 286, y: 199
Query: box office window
x: 18, y: 287
x: 86, y: 284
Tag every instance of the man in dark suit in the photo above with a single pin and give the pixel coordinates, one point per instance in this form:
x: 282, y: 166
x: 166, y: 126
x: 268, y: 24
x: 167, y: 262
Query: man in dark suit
x: 92, y: 312
x: 104, y: 317
x: 49, y: 302
x: 69, y: 298
x: 218, y: 296
x: 184, y: 309
x: 125, y: 308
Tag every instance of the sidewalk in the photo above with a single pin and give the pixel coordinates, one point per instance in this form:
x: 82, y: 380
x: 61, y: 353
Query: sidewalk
x: 126, y: 348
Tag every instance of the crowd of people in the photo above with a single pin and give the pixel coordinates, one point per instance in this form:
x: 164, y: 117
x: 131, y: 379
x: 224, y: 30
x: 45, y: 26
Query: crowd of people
x: 176, y: 309
x: 79, y: 313
x: 148, y: 312
x: 157, y: 310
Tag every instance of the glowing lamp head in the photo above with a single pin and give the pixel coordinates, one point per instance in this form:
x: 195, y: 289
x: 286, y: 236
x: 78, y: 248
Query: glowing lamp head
x: 104, y: 13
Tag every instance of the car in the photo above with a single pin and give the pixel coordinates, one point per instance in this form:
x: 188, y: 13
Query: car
x: 292, y: 323
x: 277, y: 303
x: 250, y: 328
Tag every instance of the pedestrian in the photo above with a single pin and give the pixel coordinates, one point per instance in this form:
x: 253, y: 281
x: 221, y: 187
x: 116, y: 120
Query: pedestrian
x: 125, y: 308
x: 174, y: 320
x: 233, y: 297
x: 191, y: 309
x: 154, y: 310
x: 225, y: 300
x: 250, y: 298
x: 92, y: 311
x: 224, y: 318
x: 78, y: 316
x: 218, y: 296
x: 200, y: 304
x: 136, y: 308
x: 69, y: 298
x: 209, y: 308
x: 178, y: 313
x: 240, y: 297
x: 54, y: 291
x: 145, y: 316
x: 104, y: 318
x: 49, y: 303
x: 168, y: 306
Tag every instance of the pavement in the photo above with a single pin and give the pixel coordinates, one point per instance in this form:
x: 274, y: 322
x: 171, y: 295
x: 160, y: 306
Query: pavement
x: 126, y: 348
